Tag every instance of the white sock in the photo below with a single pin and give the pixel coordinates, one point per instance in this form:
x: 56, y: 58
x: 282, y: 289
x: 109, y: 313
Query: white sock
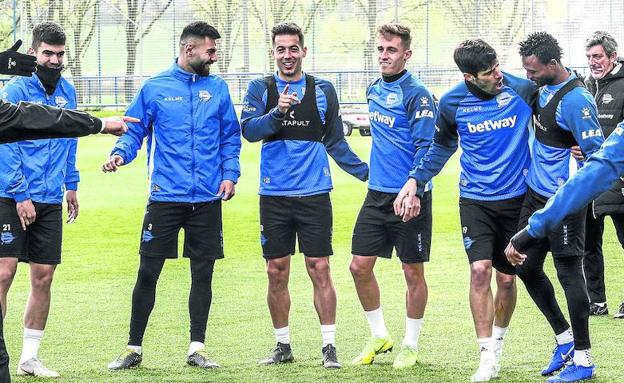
x: 583, y: 358
x: 282, y: 335
x: 376, y: 323
x: 30, y: 345
x: 328, y: 332
x: 412, y: 332
x: 137, y: 349
x: 485, y: 345
x: 498, y: 333
x: 601, y: 304
x: 565, y: 337
x: 195, y: 346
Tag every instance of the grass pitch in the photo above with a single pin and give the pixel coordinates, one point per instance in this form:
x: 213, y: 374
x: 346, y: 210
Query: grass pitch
x: 88, y: 322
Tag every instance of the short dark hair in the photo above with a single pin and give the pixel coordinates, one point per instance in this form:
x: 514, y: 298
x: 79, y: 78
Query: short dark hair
x: 399, y: 30
x: 287, y: 28
x: 474, y: 55
x: 541, y: 45
x: 604, y: 39
x: 47, y: 32
x: 199, y: 29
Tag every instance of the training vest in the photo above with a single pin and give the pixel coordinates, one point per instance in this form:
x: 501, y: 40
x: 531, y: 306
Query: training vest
x: 547, y: 131
x: 302, y: 121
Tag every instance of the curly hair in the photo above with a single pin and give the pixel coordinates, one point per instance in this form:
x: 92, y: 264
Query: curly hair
x: 541, y: 45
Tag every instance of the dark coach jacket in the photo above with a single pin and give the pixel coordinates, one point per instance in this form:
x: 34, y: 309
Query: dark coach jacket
x: 26, y: 121
x: 609, y: 95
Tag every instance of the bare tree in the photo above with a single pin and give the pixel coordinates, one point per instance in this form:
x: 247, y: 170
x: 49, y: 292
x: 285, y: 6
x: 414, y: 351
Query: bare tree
x: 277, y: 11
x: 369, y: 8
x: 77, y: 17
x: 223, y: 15
x: 138, y: 24
x: 505, y: 18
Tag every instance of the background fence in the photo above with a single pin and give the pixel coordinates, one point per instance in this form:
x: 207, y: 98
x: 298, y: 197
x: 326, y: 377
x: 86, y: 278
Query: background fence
x: 114, y: 44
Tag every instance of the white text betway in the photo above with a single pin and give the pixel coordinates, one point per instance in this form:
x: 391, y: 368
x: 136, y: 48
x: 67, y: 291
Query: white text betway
x: 378, y: 117
x: 489, y: 125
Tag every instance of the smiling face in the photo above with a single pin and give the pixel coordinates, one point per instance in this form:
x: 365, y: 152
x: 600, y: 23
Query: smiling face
x: 49, y: 56
x: 391, y: 54
x: 600, y: 64
x: 538, y: 72
x: 288, y: 54
x: 489, y: 80
x: 200, y: 54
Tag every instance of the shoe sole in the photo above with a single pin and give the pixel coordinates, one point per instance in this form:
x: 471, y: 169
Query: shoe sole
x: 273, y: 363
x: 372, y: 359
x: 21, y: 372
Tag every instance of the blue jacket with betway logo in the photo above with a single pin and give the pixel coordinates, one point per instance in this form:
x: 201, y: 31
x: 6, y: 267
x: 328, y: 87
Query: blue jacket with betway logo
x: 600, y: 171
x: 402, y: 117
x: 193, y: 135
x: 550, y: 166
x: 493, y: 134
x: 39, y: 170
x: 297, y: 167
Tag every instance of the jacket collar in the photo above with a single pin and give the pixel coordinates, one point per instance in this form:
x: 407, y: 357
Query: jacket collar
x: 181, y: 74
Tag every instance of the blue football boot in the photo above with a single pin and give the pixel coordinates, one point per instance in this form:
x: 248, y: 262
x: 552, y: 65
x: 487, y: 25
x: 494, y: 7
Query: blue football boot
x: 561, y: 354
x: 574, y: 373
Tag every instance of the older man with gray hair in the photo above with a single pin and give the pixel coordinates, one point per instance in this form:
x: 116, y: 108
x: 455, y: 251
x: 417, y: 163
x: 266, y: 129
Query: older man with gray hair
x: 606, y: 83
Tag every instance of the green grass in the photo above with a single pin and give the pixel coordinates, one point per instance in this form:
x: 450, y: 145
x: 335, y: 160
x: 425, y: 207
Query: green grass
x: 88, y: 323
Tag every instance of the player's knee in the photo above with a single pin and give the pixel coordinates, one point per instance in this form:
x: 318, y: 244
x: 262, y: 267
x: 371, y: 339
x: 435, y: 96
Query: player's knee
x: 6, y: 276
x: 42, y: 281
x: 360, y: 270
x: 480, y: 274
x: 414, y: 274
x: 277, y: 274
x: 506, y: 282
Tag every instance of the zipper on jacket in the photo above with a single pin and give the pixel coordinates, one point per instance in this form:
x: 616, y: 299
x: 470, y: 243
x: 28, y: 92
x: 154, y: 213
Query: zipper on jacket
x: 193, y: 138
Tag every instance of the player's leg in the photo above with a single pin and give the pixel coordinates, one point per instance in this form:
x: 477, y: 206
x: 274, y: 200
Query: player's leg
x: 159, y: 241
x: 479, y: 231
x: 371, y: 239
x: 44, y: 254
x: 203, y: 244
x: 541, y: 290
x: 593, y: 264
x: 13, y: 242
x: 277, y: 237
x: 314, y: 221
x: 413, y: 244
x: 567, y: 246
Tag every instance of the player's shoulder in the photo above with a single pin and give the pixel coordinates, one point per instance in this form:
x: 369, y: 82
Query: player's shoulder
x: 454, y: 96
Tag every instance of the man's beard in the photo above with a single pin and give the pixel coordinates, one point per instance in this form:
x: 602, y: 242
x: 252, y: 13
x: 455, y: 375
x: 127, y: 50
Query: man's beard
x: 202, y: 68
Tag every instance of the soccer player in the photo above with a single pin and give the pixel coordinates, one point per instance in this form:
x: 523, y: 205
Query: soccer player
x: 600, y: 171
x: 489, y: 113
x: 35, y: 176
x: 193, y: 140
x: 606, y: 83
x: 566, y: 116
x: 33, y: 121
x: 402, y: 115
x: 296, y: 115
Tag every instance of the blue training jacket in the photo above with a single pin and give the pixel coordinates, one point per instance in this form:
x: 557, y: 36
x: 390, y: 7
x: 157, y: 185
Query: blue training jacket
x: 600, y: 171
x: 297, y: 167
x: 39, y: 170
x: 493, y: 134
x: 550, y: 166
x: 402, y: 116
x: 193, y: 135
